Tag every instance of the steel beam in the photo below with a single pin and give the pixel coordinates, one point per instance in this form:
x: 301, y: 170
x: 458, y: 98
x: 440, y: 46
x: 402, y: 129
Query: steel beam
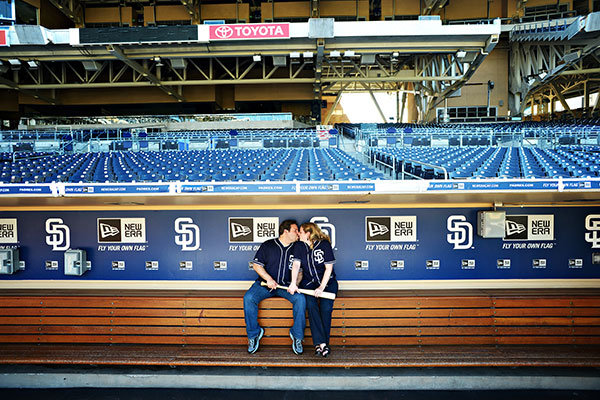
x: 72, y: 9
x: 433, y: 5
x: 119, y: 54
x: 561, y: 98
x: 15, y: 86
x: 597, y: 103
x: 332, y: 109
x: 381, y: 114
x: 192, y: 7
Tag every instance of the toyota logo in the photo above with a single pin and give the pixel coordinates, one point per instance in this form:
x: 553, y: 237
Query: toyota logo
x: 223, y: 32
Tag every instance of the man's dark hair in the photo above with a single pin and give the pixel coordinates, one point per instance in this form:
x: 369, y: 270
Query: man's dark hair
x: 286, y: 225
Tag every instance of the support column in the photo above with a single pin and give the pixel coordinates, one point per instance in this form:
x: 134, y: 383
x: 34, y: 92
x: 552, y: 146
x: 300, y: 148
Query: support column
x: 597, y: 103
x: 334, y: 105
x: 375, y: 102
x: 562, y: 99
x: 586, y: 99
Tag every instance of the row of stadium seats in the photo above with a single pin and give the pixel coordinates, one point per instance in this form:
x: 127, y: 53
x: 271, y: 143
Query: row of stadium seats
x: 492, y: 162
x: 573, y: 129
x: 115, y: 134
x: 197, y: 165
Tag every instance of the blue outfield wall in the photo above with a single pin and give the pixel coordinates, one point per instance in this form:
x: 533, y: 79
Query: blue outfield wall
x: 370, y: 244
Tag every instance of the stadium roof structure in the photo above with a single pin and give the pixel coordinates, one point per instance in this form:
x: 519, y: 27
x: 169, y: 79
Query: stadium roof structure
x: 555, y: 59
x: 423, y: 56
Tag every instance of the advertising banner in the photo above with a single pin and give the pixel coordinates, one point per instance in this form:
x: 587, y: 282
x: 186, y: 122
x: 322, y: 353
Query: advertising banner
x: 249, y: 31
x: 369, y: 244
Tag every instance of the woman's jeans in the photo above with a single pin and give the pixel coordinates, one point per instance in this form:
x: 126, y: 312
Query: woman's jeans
x: 258, y: 293
x: 319, y: 315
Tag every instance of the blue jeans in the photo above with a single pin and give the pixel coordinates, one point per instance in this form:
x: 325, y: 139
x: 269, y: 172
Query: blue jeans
x: 258, y: 293
x: 319, y: 314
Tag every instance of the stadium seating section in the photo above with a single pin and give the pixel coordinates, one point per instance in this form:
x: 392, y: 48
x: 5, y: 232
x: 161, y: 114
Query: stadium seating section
x: 492, y: 162
x: 193, y: 165
x: 397, y: 151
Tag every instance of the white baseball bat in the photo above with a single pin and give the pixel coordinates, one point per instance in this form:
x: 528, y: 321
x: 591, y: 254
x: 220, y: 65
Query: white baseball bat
x: 310, y: 292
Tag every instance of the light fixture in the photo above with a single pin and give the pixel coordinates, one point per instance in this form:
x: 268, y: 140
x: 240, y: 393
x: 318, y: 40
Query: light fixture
x: 91, y: 65
x: 256, y: 58
x: 158, y: 61
x: 15, y: 64
x: 461, y: 54
x: 295, y: 54
x: 334, y: 53
x: 308, y: 54
x: 32, y: 64
x: 349, y: 53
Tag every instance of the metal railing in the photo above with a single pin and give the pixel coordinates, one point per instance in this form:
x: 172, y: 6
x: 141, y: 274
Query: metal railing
x: 413, y: 162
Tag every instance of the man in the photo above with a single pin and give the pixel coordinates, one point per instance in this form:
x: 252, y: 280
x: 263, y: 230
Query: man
x: 272, y: 264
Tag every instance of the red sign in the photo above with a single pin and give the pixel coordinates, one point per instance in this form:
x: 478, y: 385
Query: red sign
x: 3, y: 37
x: 249, y: 31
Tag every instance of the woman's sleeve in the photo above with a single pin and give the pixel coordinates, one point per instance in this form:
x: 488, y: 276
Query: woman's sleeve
x: 328, y: 253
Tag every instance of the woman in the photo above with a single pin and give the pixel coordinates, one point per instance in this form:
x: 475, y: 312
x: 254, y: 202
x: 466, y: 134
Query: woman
x: 313, y: 253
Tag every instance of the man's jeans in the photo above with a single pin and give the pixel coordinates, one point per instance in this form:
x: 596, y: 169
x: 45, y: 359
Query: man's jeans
x: 258, y: 293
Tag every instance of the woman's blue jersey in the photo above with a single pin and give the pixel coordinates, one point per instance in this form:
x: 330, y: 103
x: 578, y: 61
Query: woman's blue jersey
x: 313, y: 262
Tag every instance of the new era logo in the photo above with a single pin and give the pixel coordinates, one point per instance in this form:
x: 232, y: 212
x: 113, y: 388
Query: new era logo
x: 121, y: 230
x: 107, y: 230
x: 377, y: 229
x: 514, y: 228
x: 253, y: 230
x: 238, y: 230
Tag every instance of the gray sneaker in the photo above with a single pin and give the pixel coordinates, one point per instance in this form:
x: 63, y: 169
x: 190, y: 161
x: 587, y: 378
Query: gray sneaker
x: 296, y: 345
x: 255, y: 342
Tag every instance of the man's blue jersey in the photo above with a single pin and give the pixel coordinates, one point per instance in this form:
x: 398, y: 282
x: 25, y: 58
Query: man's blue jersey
x: 313, y: 262
x: 276, y: 259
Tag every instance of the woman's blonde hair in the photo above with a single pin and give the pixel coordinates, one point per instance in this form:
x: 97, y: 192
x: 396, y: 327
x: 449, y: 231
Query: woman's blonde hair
x: 315, y: 233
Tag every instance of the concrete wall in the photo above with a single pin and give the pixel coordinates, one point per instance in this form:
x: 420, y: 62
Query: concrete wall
x: 390, y: 8
x: 289, y: 91
x: 278, y: 10
x: 123, y: 15
x: 474, y: 93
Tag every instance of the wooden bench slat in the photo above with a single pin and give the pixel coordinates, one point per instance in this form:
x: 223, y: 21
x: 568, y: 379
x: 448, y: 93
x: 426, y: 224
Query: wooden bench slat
x: 239, y: 313
x: 549, y: 312
x: 409, y: 340
x: 413, y: 331
x: 415, y: 313
x: 500, y: 302
x: 547, y: 321
x: 547, y: 340
x: 412, y: 302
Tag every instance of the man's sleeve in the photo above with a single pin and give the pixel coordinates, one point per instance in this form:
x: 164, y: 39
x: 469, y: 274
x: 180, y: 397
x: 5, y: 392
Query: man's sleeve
x: 260, y: 257
x: 297, y: 251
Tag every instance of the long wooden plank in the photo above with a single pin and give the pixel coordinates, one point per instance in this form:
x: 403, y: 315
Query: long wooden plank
x: 343, y: 303
x: 336, y: 341
x: 550, y: 312
x: 548, y: 330
x: 413, y: 331
x: 547, y: 321
x: 413, y: 302
x: 274, y: 313
x: 500, y: 302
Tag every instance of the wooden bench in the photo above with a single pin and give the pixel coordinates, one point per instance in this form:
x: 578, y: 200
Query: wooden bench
x: 367, y: 330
